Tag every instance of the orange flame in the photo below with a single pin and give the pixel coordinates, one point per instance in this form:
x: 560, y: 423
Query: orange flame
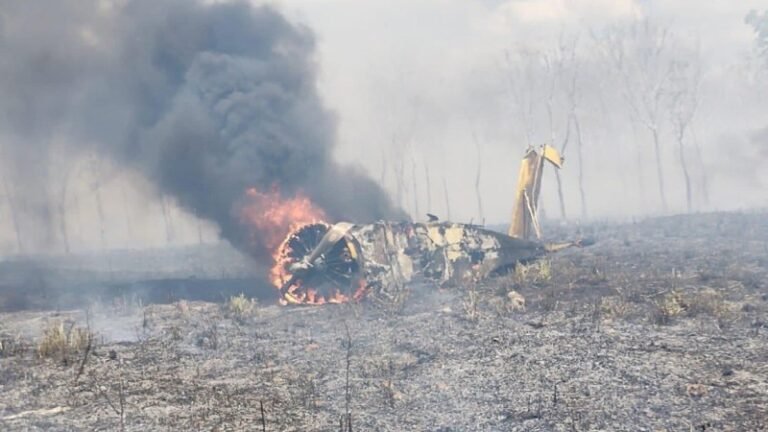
x: 272, y: 219
x: 301, y: 295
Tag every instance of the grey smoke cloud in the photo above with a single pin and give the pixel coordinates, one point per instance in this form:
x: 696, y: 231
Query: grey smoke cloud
x: 204, y: 100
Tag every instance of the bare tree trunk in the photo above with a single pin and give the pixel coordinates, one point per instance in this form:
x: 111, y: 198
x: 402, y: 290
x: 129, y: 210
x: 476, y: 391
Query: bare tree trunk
x: 78, y: 214
x: 659, y: 169
x: 167, y: 220
x: 199, y: 224
x: 684, y: 167
x: 62, y: 210
x: 401, y: 191
x: 580, y: 157
x: 398, y: 187
x: 417, y: 213
x: 126, y: 211
x: 102, y: 229
x: 399, y: 170
x: 478, y: 193
x: 639, y: 165
x: 700, y: 160
x: 447, y: 200
x: 383, y: 175
x: 560, y: 197
x: 100, y: 212
x: 429, y: 187
x: 14, y: 215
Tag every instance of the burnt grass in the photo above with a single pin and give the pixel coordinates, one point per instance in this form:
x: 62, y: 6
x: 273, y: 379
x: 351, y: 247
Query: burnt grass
x: 659, y: 326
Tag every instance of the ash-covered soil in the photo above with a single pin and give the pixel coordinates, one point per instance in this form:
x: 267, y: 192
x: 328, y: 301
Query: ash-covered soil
x: 662, y: 325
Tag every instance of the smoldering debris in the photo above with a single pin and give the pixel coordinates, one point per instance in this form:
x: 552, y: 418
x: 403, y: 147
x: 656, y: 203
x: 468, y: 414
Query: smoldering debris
x: 206, y: 100
x: 321, y: 263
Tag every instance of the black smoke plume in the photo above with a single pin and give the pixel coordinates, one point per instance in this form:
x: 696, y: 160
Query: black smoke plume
x: 206, y: 100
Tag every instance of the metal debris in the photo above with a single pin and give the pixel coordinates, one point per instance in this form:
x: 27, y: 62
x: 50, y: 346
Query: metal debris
x: 335, y: 263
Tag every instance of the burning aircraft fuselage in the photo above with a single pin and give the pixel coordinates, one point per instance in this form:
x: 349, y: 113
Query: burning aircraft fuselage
x: 321, y: 263
x: 334, y: 263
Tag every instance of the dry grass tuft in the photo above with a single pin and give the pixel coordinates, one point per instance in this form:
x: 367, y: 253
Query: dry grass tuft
x: 538, y: 271
x: 669, y: 307
x: 240, y: 306
x: 11, y: 345
x: 543, y: 271
x: 711, y: 303
x: 705, y: 302
x: 471, y: 305
x: 614, y: 307
x: 63, y: 342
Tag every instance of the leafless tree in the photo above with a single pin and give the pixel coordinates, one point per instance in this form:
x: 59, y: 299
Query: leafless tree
x: 401, y: 147
x: 683, y: 103
x: 447, y: 199
x: 640, y: 55
x: 521, y: 74
x: 69, y: 169
x: 759, y: 23
x: 478, y: 194
x: 414, y: 183
x: 61, y: 208
x: 573, y: 121
x: 398, y: 167
x: 428, y: 184
x: 10, y: 199
x: 561, y: 68
x: 167, y: 218
x: 383, y: 174
x: 553, y: 69
x: 97, y: 182
x: 703, y: 179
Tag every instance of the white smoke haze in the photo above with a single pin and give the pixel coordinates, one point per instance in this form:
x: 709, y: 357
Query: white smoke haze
x: 418, y: 95
x: 427, y: 75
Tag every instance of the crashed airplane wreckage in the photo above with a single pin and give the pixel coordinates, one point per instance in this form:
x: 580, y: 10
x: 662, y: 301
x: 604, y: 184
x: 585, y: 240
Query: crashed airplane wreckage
x: 322, y: 263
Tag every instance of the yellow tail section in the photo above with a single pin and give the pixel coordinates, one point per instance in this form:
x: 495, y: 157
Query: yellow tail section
x: 525, y: 221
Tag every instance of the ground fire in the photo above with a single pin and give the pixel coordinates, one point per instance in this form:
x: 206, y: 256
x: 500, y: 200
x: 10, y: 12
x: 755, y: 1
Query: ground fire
x: 318, y: 262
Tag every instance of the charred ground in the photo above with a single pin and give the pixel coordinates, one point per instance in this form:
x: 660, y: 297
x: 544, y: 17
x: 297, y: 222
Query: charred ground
x: 661, y: 325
